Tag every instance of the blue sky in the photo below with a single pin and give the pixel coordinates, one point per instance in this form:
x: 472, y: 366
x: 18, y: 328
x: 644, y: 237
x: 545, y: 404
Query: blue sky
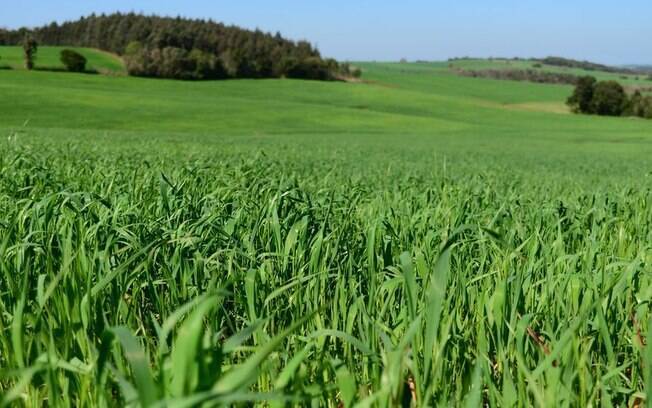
x: 603, y: 31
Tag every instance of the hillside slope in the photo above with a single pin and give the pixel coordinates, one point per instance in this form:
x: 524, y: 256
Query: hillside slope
x: 631, y: 79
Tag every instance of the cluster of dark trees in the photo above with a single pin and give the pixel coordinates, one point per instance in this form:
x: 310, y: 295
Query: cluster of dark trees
x: 73, y: 61
x: 608, y: 98
x: 585, y: 65
x: 571, y: 63
x: 188, y: 49
x: 530, y: 75
x: 469, y: 58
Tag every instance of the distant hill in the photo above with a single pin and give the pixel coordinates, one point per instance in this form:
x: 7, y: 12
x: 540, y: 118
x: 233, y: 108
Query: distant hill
x: 588, y: 66
x: 534, y: 70
x: 640, y: 68
x: 568, y: 63
x: 186, y: 49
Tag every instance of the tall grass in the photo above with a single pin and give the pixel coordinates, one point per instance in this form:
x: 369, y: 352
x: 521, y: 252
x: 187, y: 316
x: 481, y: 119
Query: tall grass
x: 136, y: 276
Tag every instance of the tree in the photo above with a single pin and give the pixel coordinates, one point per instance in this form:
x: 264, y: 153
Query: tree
x: 207, y: 66
x: 73, y: 61
x: 30, y: 47
x: 581, y: 99
x: 609, y: 99
x: 639, y: 105
x: 136, y: 59
x: 645, y: 110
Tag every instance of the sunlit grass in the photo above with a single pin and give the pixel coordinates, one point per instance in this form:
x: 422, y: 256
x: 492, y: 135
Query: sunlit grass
x: 132, y: 275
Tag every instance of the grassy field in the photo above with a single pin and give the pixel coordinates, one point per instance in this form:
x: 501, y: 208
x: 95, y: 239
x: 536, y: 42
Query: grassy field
x: 49, y: 58
x: 420, y: 238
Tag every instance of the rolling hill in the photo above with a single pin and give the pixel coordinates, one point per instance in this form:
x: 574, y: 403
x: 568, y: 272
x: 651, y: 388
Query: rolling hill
x: 418, y: 99
x: 639, y: 79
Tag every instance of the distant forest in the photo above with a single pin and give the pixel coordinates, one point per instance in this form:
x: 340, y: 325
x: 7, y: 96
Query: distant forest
x: 187, y: 49
x: 586, y: 65
x: 530, y: 75
x: 571, y: 63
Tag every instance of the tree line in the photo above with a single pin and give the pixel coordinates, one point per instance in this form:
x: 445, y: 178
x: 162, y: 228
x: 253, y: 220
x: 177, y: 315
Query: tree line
x: 183, y: 48
x: 608, y: 98
x: 586, y: 65
x: 529, y: 75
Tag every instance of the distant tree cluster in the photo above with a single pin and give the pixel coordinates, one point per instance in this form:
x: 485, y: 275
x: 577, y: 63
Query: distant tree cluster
x: 172, y: 62
x: 469, y: 58
x: 530, y: 75
x: 188, y: 49
x: 639, y: 105
x: 608, y: 98
x: 585, y: 65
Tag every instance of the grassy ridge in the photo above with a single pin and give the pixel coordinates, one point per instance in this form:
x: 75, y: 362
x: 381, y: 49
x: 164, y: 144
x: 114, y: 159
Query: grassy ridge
x: 484, y: 64
x: 49, y: 58
x: 421, y: 237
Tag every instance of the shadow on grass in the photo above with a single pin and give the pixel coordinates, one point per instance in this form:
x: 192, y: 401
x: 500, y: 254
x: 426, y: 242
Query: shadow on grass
x: 63, y: 70
x: 5, y: 68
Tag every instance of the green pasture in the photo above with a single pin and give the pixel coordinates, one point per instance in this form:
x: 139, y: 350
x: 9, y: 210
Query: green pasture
x: 49, y: 58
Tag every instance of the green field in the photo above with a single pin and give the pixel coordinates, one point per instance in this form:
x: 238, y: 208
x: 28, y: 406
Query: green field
x: 50, y: 58
x: 417, y: 238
